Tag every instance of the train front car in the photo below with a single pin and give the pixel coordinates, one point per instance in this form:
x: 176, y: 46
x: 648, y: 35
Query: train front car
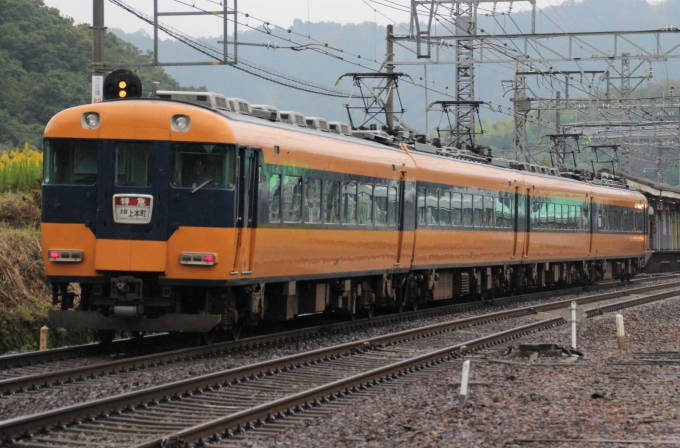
x: 137, y: 193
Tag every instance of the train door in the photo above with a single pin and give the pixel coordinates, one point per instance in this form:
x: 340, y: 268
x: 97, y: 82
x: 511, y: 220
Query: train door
x: 400, y: 215
x: 518, y: 223
x: 527, y: 222
x: 593, y: 218
x: 132, y: 201
x: 248, y: 178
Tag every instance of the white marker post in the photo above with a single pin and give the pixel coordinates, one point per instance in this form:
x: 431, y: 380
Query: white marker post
x: 620, y: 332
x: 573, y: 325
x: 464, y: 382
x: 44, y: 336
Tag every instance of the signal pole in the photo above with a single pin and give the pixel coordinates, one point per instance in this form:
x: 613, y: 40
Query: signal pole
x: 98, y: 35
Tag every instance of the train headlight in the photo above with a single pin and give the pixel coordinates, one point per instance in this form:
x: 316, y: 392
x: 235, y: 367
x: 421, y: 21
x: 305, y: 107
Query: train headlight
x: 122, y: 84
x: 90, y: 120
x: 180, y: 123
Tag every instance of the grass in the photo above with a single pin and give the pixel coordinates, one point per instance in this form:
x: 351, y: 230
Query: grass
x: 20, y: 169
x: 25, y: 294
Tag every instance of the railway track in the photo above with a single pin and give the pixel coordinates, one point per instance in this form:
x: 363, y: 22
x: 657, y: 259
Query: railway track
x: 39, y: 374
x: 264, y: 393
x: 62, y: 354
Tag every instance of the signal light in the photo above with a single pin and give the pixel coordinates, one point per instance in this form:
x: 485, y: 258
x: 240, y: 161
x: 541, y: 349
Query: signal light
x: 122, y: 84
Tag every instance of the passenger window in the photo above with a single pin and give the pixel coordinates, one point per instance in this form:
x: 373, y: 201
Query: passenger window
x: 331, y: 201
x: 488, y: 211
x: 551, y: 216
x: 445, y: 208
x: 467, y: 210
x: 432, y: 207
x: 624, y: 220
x: 392, y: 206
x: 535, y: 212
x: 579, y: 218
x: 543, y: 216
x: 365, y: 204
x: 639, y: 222
x: 457, y: 209
x: 585, y: 218
x: 422, y: 216
x: 631, y: 221
x: 380, y: 209
x: 478, y: 211
x: 275, y: 198
x: 615, y: 221
x: 313, y: 201
x: 349, y: 203
x: 292, y: 198
x: 558, y: 217
x: 508, y: 212
x: 499, y: 213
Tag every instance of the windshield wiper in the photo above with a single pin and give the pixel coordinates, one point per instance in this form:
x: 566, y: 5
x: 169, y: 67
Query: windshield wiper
x: 202, y: 185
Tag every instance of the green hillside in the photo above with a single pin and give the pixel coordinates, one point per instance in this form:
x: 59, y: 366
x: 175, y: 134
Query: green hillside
x: 45, y: 68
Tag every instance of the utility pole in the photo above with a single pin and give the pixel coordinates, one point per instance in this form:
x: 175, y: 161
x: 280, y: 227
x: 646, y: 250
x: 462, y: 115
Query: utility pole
x: 98, y: 35
x: 389, y: 68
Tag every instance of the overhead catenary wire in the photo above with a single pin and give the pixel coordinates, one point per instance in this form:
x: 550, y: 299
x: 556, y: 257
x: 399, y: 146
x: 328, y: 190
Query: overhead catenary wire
x: 217, y: 54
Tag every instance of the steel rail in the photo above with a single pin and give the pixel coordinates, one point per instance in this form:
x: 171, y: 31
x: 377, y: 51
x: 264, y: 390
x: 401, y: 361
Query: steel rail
x: 62, y: 353
x: 44, y: 380
x: 91, y: 410
x: 268, y: 412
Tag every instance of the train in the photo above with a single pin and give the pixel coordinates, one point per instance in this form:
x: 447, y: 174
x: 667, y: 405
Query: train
x: 193, y: 212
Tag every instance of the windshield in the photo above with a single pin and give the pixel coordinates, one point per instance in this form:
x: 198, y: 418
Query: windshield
x: 70, y: 162
x: 196, y: 164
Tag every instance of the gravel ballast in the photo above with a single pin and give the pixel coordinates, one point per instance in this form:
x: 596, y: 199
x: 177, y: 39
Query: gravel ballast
x: 535, y: 404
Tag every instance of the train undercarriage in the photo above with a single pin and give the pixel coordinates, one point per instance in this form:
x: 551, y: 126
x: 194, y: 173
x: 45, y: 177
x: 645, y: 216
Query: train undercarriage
x: 140, y: 303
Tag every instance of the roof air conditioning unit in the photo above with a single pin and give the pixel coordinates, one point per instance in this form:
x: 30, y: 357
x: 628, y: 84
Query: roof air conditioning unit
x: 209, y: 99
x: 376, y: 136
x: 294, y: 118
x: 239, y: 106
x: 498, y: 161
x: 265, y: 112
x: 339, y: 127
x: 318, y: 123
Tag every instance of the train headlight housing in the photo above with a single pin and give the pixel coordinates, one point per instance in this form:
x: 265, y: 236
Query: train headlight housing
x: 90, y: 120
x: 180, y: 123
x: 122, y: 84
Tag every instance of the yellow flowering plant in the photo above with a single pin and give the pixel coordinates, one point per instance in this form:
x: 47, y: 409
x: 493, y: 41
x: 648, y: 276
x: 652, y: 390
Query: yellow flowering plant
x: 20, y: 169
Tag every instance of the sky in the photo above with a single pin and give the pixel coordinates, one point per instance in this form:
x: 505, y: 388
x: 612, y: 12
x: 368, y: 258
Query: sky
x: 277, y: 12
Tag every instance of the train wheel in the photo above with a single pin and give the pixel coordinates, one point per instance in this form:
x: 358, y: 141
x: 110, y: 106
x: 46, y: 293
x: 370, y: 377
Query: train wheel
x: 236, y: 331
x: 139, y: 335
x: 106, y: 336
x: 208, y: 337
